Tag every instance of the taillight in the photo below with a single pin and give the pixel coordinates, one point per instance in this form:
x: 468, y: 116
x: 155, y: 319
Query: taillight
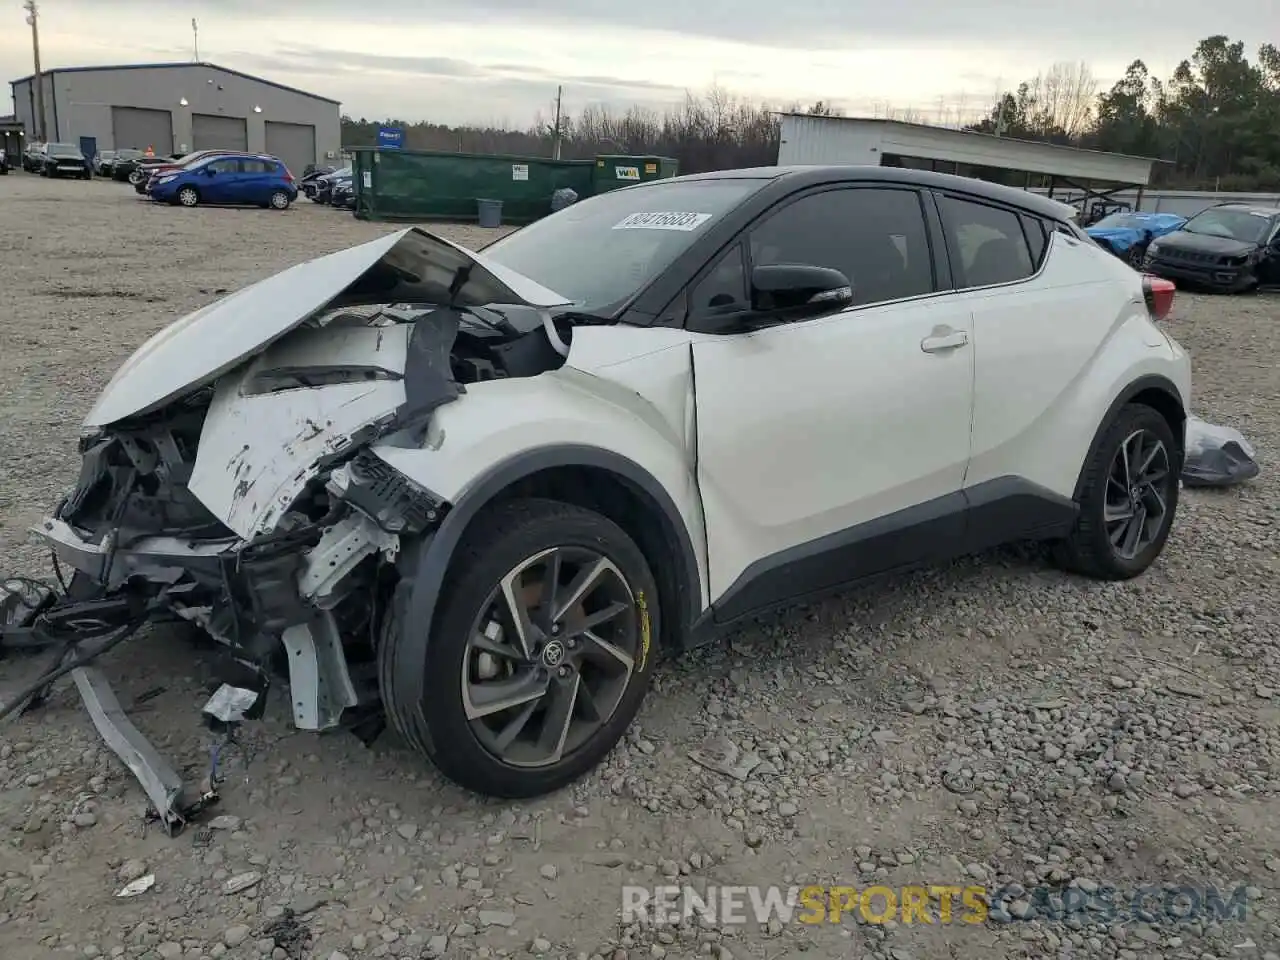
x: 1158, y: 293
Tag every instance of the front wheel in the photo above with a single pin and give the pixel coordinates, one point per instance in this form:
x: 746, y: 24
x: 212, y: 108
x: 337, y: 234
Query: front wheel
x: 541, y: 653
x: 1128, y: 499
x: 188, y: 197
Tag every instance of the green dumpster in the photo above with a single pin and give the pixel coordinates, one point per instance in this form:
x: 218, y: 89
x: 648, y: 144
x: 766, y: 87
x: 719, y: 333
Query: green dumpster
x: 428, y: 185
x: 612, y: 171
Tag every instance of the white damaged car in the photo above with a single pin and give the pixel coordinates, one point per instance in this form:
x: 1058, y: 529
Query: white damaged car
x: 483, y: 492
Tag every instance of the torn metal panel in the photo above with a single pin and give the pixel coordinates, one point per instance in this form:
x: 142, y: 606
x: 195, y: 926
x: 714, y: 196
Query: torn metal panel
x: 319, y: 683
x: 258, y: 452
x: 160, y: 782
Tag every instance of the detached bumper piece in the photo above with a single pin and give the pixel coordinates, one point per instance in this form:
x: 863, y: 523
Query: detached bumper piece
x: 33, y: 617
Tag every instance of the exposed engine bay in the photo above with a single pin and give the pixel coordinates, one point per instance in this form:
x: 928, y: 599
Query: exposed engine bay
x: 252, y: 504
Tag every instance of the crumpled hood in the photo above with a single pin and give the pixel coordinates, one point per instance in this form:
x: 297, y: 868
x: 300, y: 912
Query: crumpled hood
x: 408, y: 266
x: 1205, y: 243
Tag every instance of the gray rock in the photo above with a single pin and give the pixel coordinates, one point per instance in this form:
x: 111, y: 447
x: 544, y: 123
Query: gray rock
x: 131, y: 870
x: 496, y: 918
x: 235, y: 935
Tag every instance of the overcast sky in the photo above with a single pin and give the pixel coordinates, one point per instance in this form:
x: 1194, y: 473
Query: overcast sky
x: 499, y: 61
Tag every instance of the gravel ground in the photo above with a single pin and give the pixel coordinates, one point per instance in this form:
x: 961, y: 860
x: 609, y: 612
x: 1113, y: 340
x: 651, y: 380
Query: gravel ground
x: 990, y: 723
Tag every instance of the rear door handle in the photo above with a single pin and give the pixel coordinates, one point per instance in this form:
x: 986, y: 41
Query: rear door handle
x: 944, y: 341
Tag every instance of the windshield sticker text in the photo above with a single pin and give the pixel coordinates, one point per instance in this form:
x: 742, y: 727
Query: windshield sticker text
x: 663, y: 221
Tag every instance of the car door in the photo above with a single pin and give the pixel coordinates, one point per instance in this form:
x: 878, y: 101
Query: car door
x: 1041, y: 309
x: 220, y: 177
x: 253, y: 186
x: 835, y: 447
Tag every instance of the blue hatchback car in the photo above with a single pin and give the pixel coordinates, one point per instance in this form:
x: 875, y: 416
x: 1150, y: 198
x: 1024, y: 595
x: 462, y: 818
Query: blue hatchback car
x: 235, y: 179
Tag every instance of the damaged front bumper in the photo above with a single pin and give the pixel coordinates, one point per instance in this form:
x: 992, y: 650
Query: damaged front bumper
x: 229, y: 478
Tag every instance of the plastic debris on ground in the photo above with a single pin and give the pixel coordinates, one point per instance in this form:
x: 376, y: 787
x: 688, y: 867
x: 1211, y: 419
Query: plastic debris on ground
x: 230, y: 704
x: 135, y: 887
x: 1217, y: 456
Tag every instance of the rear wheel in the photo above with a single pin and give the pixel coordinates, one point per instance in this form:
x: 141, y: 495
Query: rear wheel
x: 1128, y: 499
x: 280, y: 200
x: 188, y: 197
x: 540, y: 656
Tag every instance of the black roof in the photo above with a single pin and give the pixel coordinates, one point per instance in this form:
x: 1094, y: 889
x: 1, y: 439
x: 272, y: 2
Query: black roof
x: 1245, y: 207
x: 175, y: 66
x: 803, y: 176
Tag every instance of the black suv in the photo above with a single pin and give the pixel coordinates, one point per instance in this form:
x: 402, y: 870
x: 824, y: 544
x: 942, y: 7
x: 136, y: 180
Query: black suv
x: 1230, y: 247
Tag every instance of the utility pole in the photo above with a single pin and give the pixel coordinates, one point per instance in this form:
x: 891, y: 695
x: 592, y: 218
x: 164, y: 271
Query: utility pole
x: 555, y: 134
x: 37, y: 78
x: 195, y: 40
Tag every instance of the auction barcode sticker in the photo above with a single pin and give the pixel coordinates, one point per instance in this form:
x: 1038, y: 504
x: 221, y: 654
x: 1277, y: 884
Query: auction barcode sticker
x: 663, y: 221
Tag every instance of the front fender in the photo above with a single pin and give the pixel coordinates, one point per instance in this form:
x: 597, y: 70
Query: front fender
x: 502, y: 431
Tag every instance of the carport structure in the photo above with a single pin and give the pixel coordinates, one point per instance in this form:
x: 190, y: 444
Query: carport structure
x: 810, y: 140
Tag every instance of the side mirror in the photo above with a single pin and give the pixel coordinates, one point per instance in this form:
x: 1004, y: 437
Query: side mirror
x: 210, y: 172
x: 795, y: 291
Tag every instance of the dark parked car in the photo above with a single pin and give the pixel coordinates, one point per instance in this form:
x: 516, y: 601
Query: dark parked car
x: 1231, y: 248
x: 33, y: 158
x: 343, y: 194
x: 65, y: 160
x: 324, y: 184
x: 102, y: 162
x: 4, y: 163
x: 309, y: 179
x: 125, y: 162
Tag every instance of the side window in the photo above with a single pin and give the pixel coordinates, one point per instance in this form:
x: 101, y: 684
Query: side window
x: 225, y: 165
x: 724, y: 288
x: 1036, y: 238
x: 874, y: 236
x: 988, y: 242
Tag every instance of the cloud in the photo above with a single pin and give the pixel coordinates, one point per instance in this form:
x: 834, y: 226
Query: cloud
x: 457, y: 61
x: 1091, y: 26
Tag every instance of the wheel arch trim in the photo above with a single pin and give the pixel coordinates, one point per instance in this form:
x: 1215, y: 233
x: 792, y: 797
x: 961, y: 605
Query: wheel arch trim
x: 1142, y: 384
x: 433, y: 555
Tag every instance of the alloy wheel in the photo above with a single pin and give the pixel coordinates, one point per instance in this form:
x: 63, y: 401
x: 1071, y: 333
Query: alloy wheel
x: 187, y: 197
x: 1135, y: 508
x: 550, y: 656
x: 280, y: 200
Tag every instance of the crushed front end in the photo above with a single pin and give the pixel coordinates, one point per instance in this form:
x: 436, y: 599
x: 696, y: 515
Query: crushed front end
x: 249, y: 501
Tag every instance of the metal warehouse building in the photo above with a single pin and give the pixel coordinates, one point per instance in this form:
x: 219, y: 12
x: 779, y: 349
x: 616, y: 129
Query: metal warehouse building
x: 178, y: 107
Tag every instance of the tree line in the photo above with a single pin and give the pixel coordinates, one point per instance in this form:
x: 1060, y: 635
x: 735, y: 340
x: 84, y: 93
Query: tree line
x: 1215, y: 121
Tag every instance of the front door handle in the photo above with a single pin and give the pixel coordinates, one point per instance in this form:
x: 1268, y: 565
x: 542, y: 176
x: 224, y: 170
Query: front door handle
x: 941, y: 341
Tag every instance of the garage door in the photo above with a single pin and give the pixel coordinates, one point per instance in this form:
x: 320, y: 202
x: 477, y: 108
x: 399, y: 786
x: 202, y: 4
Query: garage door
x: 135, y: 129
x: 209, y: 132
x: 294, y: 143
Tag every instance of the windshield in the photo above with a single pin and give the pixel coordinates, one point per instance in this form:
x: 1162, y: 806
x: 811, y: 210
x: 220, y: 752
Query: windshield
x: 63, y: 150
x: 602, y: 250
x: 1230, y: 224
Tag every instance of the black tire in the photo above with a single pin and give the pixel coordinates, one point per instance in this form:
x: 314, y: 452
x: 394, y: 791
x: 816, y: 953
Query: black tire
x: 187, y: 197
x: 279, y: 200
x: 497, y: 544
x: 1088, y: 550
